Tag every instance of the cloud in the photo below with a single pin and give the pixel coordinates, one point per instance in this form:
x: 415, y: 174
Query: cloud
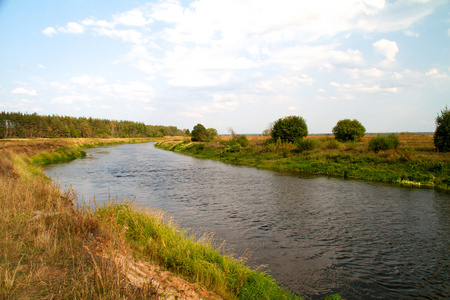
x: 365, y: 73
x: 386, y: 48
x: 72, y: 27
x: 133, y: 17
x: 88, y: 80
x: 23, y: 91
x: 323, y: 57
x: 150, y: 108
x: 359, y: 87
x: 49, y: 31
x: 190, y: 114
x: 126, y: 35
x: 435, y: 73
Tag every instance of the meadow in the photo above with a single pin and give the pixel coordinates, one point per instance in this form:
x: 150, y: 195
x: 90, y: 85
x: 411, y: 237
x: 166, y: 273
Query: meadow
x: 415, y: 162
x: 52, y: 249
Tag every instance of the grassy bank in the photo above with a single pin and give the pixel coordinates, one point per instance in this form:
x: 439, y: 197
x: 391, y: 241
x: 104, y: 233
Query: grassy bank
x: 50, y: 250
x: 414, y: 163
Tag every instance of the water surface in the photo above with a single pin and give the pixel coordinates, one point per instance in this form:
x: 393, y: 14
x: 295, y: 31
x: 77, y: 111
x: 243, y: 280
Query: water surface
x: 317, y: 235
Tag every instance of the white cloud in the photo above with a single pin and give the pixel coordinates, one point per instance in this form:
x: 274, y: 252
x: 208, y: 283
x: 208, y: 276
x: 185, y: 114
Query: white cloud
x: 365, y: 73
x: 126, y: 35
x: 49, y: 31
x: 23, y: 91
x: 88, y: 80
x: 133, y: 17
x: 435, y: 73
x: 386, y: 48
x: 64, y: 99
x: 347, y: 88
x: 72, y: 27
x: 150, y: 108
x: 323, y: 57
x: 99, y: 23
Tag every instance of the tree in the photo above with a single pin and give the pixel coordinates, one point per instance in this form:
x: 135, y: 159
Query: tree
x: 442, y: 133
x: 199, y: 133
x: 212, y: 133
x: 289, y: 129
x: 348, y: 130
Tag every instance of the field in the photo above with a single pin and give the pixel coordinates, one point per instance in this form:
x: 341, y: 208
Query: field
x: 414, y: 163
x: 52, y: 250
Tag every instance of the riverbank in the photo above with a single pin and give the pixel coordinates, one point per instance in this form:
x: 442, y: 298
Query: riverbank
x: 414, y: 163
x: 50, y: 249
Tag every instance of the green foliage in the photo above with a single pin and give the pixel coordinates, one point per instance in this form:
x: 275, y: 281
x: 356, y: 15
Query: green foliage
x: 332, y: 144
x: 174, y: 249
x: 307, y: 144
x: 242, y: 140
x: 383, y: 142
x: 19, y: 125
x: 212, y: 133
x: 199, y: 133
x: 289, y: 129
x: 333, y: 297
x: 442, y: 133
x: 348, y: 130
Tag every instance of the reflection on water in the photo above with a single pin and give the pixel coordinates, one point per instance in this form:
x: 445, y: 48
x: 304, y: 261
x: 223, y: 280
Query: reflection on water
x: 317, y: 235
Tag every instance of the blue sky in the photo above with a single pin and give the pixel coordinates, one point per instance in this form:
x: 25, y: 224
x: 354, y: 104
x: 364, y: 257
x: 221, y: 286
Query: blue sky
x: 238, y: 63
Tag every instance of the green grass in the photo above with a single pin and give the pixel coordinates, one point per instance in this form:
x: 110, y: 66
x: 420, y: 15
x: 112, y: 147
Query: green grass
x: 52, y: 250
x: 405, y: 165
x: 156, y: 239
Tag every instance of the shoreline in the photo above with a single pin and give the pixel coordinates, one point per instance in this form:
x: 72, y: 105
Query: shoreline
x: 114, y: 250
x: 413, y: 164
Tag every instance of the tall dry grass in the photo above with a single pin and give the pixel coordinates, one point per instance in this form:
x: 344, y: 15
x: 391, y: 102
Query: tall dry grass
x: 50, y: 250
x: 45, y: 246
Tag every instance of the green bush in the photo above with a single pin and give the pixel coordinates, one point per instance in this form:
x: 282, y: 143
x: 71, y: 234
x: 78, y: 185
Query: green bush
x: 242, y: 140
x: 307, y: 144
x: 289, y: 129
x: 442, y: 133
x: 332, y: 144
x: 348, y: 130
x: 383, y: 142
x: 201, y: 134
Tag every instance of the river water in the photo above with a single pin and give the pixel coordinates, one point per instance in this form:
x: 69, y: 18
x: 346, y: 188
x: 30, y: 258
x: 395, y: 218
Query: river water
x: 316, y: 235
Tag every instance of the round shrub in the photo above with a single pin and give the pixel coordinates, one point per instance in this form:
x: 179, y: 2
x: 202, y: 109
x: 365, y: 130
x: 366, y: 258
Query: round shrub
x: 289, y: 129
x: 384, y: 142
x: 348, y: 130
x: 442, y: 133
x: 199, y: 133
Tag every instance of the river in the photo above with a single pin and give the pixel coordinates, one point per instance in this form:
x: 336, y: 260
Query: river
x: 316, y: 235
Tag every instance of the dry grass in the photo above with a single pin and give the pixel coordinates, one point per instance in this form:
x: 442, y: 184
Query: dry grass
x: 49, y: 250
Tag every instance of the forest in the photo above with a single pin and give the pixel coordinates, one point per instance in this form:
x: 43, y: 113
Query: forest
x: 23, y: 125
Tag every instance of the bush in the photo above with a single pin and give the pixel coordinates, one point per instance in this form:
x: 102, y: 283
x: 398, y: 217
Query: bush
x: 289, y: 129
x: 307, y: 144
x: 332, y: 144
x: 242, y: 140
x: 201, y: 134
x: 348, y: 130
x: 442, y: 133
x: 384, y: 143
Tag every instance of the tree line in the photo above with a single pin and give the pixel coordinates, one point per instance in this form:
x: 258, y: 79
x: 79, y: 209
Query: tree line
x: 23, y: 125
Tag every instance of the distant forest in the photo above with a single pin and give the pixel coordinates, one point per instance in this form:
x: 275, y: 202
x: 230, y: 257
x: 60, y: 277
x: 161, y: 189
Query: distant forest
x: 23, y: 125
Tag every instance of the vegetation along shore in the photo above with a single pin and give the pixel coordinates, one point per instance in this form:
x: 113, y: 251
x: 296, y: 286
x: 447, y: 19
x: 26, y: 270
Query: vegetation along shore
x: 54, y: 250
x: 413, y: 162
